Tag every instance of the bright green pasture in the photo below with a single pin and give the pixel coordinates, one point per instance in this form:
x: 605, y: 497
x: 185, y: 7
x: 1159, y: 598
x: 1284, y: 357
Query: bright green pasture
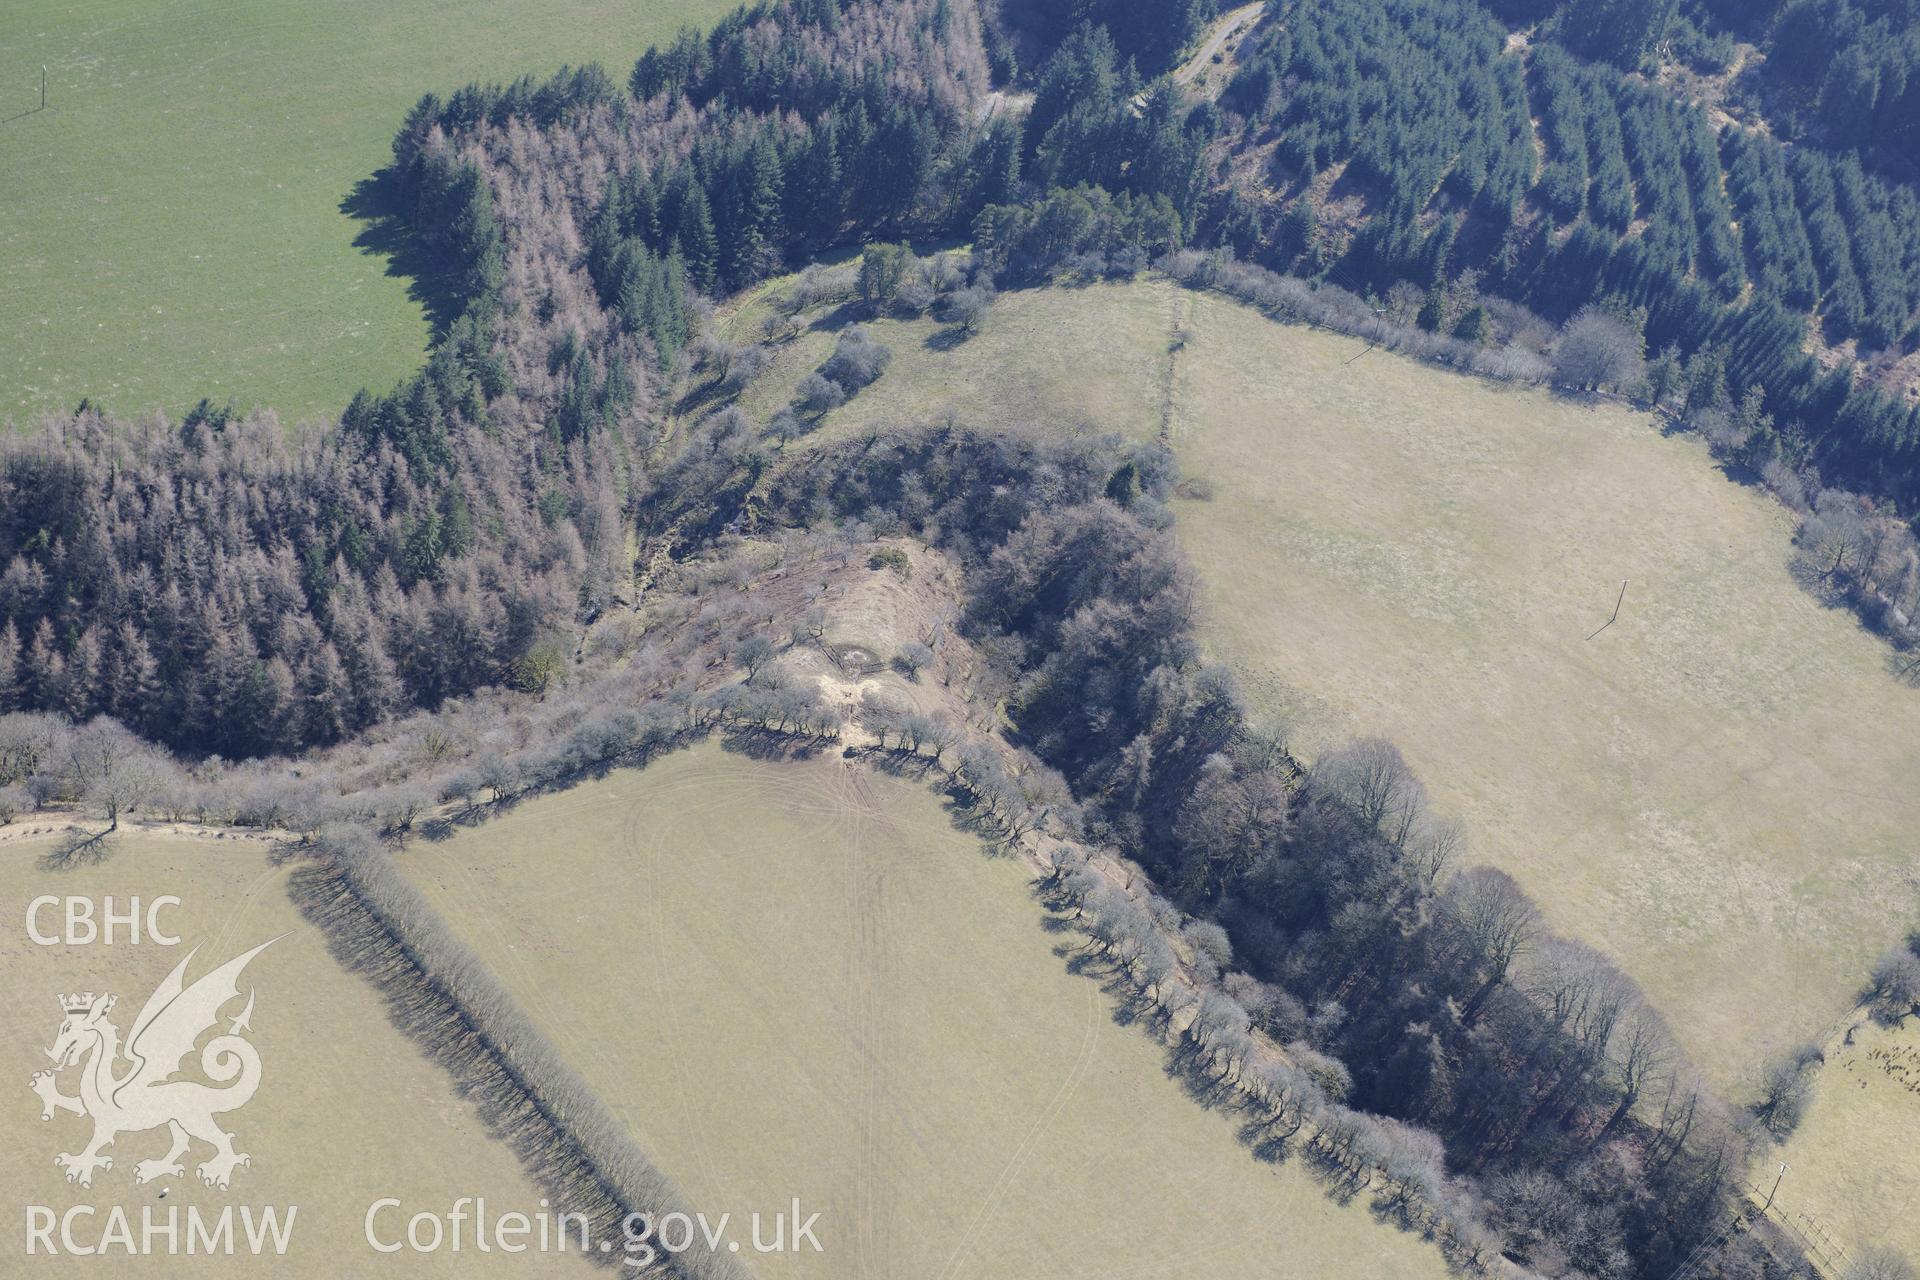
x: 176, y: 223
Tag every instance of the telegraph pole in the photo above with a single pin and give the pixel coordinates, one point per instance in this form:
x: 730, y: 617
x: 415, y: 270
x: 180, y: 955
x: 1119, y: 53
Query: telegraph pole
x: 1776, y: 1186
x: 43, y: 86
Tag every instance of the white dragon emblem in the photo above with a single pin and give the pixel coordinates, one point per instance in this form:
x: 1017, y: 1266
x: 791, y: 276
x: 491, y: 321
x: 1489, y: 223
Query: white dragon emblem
x: 144, y: 1096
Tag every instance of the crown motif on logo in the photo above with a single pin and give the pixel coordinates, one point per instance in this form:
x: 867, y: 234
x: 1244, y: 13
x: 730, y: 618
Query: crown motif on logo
x: 77, y: 1003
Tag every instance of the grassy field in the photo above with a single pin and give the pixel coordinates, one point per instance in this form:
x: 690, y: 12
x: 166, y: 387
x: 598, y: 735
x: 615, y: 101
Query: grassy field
x: 798, y: 979
x: 1851, y: 1161
x: 175, y: 223
x: 347, y: 1112
x: 1853, y: 1174
x: 1095, y: 356
x: 1717, y: 789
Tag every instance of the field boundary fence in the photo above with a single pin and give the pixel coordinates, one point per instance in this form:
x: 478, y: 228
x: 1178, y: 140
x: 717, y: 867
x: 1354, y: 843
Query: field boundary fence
x: 1828, y: 1255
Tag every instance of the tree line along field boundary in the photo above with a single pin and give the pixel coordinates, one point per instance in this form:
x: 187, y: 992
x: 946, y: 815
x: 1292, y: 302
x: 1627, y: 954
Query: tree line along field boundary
x: 447, y: 999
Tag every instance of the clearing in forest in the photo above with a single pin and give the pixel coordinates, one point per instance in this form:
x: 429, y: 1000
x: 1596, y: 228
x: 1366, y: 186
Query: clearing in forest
x: 1089, y: 358
x: 798, y: 978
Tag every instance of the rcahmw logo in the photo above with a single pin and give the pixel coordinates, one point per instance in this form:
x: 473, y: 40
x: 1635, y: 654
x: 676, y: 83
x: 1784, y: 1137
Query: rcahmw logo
x: 129, y: 1088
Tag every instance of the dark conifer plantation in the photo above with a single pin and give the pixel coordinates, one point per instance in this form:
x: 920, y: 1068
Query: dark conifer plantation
x: 1733, y: 249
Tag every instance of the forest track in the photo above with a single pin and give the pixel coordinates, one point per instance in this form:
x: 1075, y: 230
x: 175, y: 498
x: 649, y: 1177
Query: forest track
x: 1226, y: 28
x: 1194, y: 69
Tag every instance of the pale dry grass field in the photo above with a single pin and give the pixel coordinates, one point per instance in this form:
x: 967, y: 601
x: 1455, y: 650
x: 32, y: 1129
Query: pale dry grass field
x: 1718, y: 789
x: 348, y: 1110
x: 797, y: 979
x: 1084, y: 358
x: 1852, y: 1172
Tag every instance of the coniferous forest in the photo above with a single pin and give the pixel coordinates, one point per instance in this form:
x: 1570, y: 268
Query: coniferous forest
x: 1559, y: 182
x: 573, y: 220
x: 1360, y: 144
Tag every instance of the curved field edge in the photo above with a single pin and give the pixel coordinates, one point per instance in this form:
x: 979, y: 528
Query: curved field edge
x: 1711, y: 790
x: 847, y: 1003
x: 191, y: 215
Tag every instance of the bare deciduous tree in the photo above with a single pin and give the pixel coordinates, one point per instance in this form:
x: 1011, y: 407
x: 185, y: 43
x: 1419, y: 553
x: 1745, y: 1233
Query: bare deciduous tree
x: 1436, y: 844
x: 113, y: 770
x: 1641, y: 1054
x: 941, y: 735
x: 1373, y: 779
x: 966, y: 308
x: 912, y: 657
x: 752, y: 655
x: 818, y: 394
x: 1598, y: 350
x: 856, y: 360
x: 1580, y: 990
x: 1895, y: 989
x: 1234, y: 815
x: 1785, y: 1087
x: 1493, y: 921
x: 1212, y: 948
